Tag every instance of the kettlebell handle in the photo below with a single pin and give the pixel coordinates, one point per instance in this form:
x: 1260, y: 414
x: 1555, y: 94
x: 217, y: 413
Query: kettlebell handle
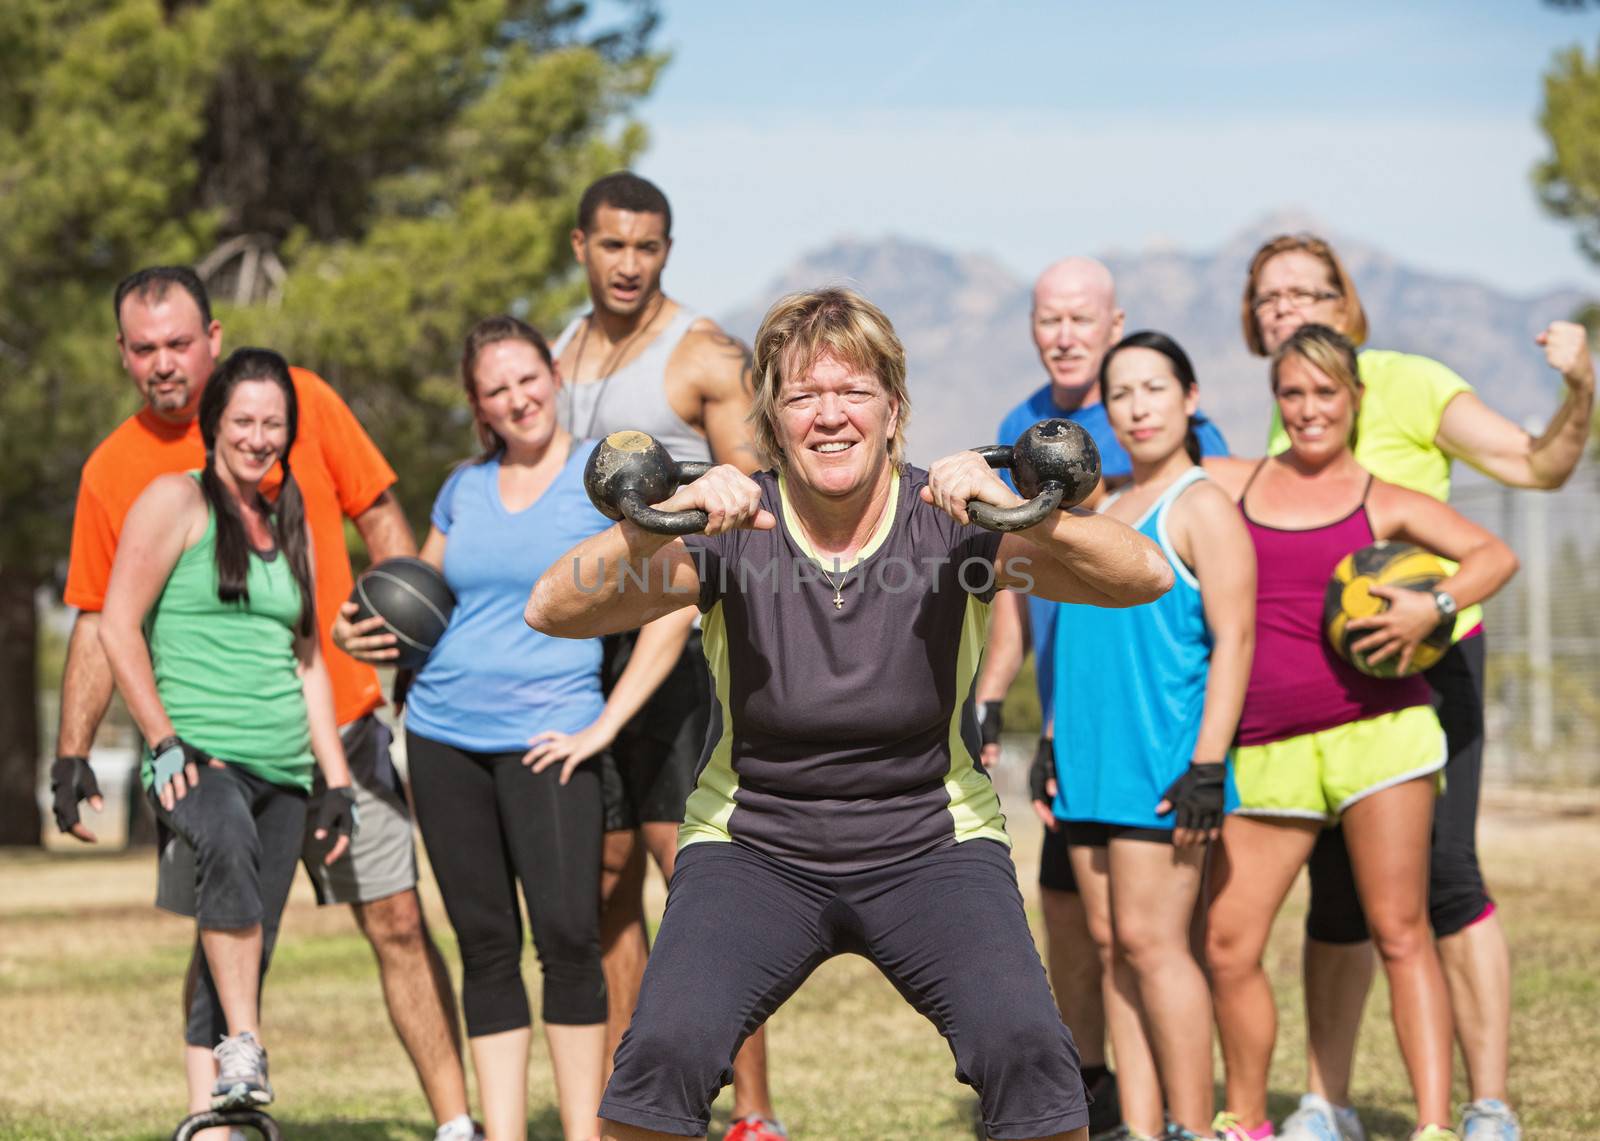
x: 1055, y: 463
x: 253, y: 1119
x: 641, y: 514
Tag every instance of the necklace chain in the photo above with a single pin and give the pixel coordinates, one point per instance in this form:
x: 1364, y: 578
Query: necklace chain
x: 844, y: 576
x: 610, y: 364
x: 838, y: 587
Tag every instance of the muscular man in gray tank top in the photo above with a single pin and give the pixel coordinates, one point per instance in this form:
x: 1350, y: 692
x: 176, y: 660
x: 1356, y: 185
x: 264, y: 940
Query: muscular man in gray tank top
x: 638, y: 359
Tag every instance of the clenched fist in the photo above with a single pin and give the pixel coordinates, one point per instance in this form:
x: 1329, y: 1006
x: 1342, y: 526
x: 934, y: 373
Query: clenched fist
x: 1566, y: 348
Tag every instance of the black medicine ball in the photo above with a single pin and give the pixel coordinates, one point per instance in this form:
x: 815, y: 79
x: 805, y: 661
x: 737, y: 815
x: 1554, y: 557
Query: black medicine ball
x: 414, y: 602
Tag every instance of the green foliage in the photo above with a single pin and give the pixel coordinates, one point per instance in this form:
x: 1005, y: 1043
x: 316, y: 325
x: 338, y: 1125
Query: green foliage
x: 409, y: 166
x: 1568, y: 181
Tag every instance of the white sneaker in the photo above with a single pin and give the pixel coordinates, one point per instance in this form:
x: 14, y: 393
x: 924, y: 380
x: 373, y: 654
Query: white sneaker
x: 1489, y: 1119
x: 1350, y: 1127
x: 1319, y: 1120
x: 461, y: 1128
x: 241, y: 1073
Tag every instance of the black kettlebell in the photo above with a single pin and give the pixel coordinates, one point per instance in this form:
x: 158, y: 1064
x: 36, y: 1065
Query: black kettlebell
x: 1055, y: 464
x: 628, y: 471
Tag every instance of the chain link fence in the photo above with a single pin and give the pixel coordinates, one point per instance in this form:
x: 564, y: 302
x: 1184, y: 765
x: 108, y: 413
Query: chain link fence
x: 1542, y: 703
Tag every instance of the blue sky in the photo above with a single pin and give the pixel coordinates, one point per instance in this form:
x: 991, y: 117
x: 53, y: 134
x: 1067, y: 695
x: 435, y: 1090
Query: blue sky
x: 1028, y: 131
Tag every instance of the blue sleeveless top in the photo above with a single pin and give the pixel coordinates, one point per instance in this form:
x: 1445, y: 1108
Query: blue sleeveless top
x: 1130, y: 689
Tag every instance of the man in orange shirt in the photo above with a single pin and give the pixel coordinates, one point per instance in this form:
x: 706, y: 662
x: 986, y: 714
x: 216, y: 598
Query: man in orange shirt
x: 169, y: 344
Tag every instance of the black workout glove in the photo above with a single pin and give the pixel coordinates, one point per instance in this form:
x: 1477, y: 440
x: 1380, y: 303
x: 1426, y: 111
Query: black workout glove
x: 1042, y: 771
x: 989, y: 722
x: 336, y: 814
x: 1196, y: 796
x: 169, y: 757
x: 72, y: 781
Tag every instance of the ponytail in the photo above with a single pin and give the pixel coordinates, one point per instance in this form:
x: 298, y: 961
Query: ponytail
x: 232, y: 542
x: 289, y: 529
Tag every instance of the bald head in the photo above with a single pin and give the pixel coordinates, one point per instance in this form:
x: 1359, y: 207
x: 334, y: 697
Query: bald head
x: 1081, y: 277
x: 1075, y: 322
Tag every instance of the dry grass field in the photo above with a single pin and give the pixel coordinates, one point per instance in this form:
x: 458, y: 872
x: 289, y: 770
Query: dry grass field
x: 89, y: 978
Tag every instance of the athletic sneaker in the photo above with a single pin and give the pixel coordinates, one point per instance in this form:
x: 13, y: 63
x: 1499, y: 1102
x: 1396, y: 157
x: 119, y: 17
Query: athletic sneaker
x: 1227, y: 1127
x: 461, y: 1128
x: 1176, y: 1132
x: 1434, y: 1133
x: 1105, y: 1110
x: 756, y: 1128
x: 1489, y: 1119
x: 241, y: 1073
x: 1350, y: 1127
x: 1319, y: 1120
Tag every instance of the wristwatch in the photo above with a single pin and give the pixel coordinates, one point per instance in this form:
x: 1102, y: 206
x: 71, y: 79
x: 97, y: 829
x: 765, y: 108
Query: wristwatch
x: 1446, y: 603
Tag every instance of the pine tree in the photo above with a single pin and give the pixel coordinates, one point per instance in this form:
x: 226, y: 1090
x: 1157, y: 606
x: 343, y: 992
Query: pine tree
x: 358, y: 180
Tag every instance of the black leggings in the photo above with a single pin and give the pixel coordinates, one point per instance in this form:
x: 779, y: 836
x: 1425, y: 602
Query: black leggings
x: 488, y: 821
x: 1457, y: 897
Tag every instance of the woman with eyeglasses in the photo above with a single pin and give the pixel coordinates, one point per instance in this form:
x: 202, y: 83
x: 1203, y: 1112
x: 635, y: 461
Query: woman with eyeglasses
x: 1416, y: 418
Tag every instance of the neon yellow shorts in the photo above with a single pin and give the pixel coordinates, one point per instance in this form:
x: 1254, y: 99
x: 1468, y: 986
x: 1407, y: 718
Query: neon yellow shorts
x: 1318, y: 775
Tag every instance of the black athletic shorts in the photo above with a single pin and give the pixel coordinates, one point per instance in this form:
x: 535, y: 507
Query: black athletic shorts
x: 1457, y: 896
x: 651, y: 768
x: 1094, y: 834
x: 742, y: 931
x: 1055, y: 865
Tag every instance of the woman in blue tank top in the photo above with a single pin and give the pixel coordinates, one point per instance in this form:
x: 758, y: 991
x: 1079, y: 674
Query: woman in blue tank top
x: 1152, y: 694
x: 499, y: 726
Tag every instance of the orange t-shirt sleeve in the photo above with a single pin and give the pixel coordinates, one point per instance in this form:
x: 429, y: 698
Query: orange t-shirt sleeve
x: 94, y: 546
x: 360, y: 473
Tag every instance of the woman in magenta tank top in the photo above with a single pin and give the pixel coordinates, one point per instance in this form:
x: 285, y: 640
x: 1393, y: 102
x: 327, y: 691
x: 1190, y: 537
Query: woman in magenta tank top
x: 1320, y: 743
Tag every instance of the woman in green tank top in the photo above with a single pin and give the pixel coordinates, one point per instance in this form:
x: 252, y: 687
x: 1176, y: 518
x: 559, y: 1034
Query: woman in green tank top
x: 210, y: 628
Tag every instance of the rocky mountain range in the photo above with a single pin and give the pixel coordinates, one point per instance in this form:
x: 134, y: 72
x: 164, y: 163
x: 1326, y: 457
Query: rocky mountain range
x: 964, y: 320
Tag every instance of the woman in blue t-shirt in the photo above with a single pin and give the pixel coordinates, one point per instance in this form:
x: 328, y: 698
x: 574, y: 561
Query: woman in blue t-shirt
x: 1142, y: 777
x: 499, y: 723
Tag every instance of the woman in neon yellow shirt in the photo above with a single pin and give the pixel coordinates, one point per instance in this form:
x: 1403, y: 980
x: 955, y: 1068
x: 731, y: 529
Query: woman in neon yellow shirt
x: 1416, y: 418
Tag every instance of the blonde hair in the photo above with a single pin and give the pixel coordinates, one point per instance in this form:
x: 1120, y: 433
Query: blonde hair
x: 1331, y: 353
x: 799, y: 329
x: 1352, y: 317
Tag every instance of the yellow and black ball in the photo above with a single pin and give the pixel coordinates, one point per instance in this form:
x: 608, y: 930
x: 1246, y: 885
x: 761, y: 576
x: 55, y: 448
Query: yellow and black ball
x: 1384, y: 563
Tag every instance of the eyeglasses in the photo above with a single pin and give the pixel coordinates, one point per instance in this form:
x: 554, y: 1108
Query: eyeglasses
x: 1297, y: 299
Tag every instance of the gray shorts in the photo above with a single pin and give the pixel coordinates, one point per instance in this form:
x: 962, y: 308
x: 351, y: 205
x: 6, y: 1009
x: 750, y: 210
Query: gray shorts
x: 382, y: 859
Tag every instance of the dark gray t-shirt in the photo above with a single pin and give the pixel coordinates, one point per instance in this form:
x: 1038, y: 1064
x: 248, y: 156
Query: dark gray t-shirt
x: 841, y: 736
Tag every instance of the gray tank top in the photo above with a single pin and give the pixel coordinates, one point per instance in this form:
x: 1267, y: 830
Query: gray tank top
x: 635, y: 396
